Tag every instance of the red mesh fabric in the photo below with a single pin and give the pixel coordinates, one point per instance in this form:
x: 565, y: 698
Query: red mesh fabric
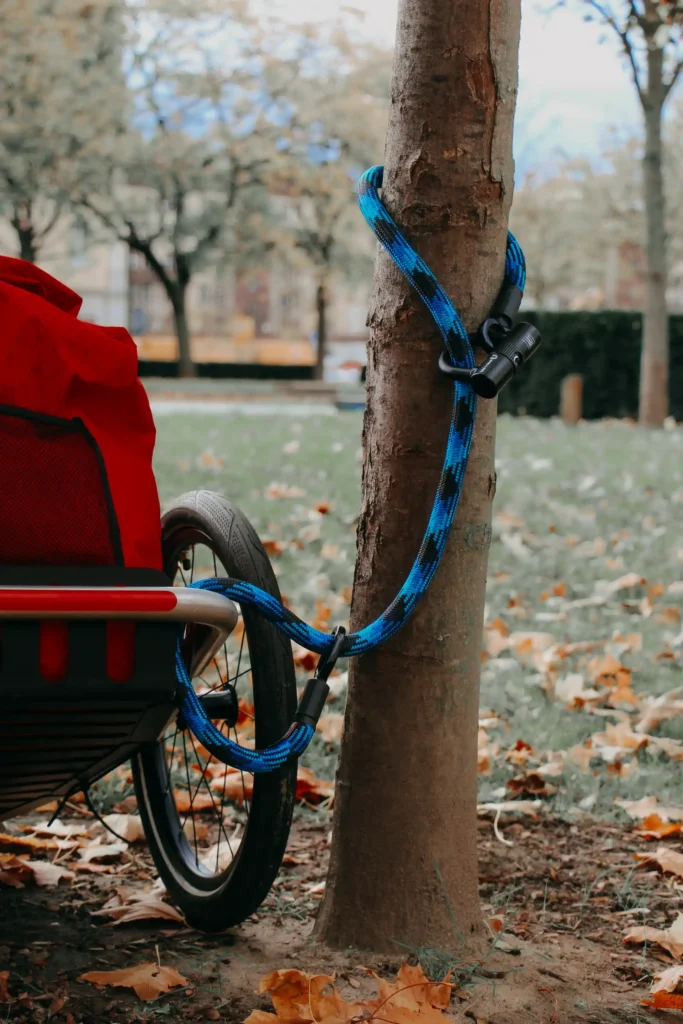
x: 57, y: 365
x: 54, y: 509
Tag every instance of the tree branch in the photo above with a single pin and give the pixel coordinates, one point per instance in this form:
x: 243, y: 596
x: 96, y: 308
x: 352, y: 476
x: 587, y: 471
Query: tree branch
x: 610, y: 19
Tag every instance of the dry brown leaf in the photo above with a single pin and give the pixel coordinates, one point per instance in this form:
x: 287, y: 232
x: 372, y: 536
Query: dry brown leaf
x: 531, y: 784
x: 148, y: 980
x: 275, y: 490
x: 15, y: 871
x: 101, y: 852
x: 142, y: 909
x: 46, y: 874
x: 236, y: 785
x: 300, y: 998
x: 670, y: 939
x: 13, y: 842
x: 571, y: 691
x: 4, y: 990
x: 582, y: 755
x: 647, y: 805
x: 128, y: 826
x: 668, y: 980
x: 659, y: 709
x: 199, y: 802
x: 331, y: 727
x: 310, y: 788
x: 668, y: 860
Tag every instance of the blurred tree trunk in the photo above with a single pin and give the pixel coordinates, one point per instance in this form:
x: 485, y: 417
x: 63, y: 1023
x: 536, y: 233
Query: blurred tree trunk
x: 654, y: 366
x: 321, y: 320
x: 404, y: 858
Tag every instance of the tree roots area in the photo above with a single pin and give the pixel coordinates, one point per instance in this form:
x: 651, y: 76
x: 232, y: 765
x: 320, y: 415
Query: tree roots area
x: 577, y: 927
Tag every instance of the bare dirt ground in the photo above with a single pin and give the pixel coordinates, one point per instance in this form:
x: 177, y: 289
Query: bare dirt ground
x: 557, y: 904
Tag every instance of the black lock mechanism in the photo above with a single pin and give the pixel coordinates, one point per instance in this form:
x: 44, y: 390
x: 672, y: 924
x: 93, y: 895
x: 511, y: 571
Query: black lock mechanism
x: 508, y: 347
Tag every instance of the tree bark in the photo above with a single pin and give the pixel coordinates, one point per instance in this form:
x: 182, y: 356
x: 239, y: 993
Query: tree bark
x: 26, y: 235
x: 404, y: 863
x: 321, y: 314
x: 654, y: 365
x: 186, y: 365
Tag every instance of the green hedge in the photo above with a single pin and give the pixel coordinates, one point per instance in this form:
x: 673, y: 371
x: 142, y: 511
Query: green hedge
x: 605, y: 348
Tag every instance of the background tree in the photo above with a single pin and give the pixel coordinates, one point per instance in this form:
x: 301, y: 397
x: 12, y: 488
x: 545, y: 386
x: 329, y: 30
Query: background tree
x: 208, y: 113
x: 62, y: 106
x: 404, y: 863
x: 650, y: 35
x: 340, y: 125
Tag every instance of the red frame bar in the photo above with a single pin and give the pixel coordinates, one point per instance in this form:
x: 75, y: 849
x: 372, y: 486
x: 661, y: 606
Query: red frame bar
x: 100, y: 600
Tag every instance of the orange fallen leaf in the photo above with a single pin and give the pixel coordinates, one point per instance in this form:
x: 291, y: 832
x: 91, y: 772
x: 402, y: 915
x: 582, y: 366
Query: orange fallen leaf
x: 148, y: 980
x: 310, y: 788
x: 664, y: 1001
x: 199, y: 802
x: 300, y: 998
x: 654, y: 828
x: 274, y: 547
x: 235, y: 785
x: 4, y: 990
x: 323, y: 507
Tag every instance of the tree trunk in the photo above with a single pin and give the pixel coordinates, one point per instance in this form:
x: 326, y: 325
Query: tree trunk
x: 404, y: 860
x: 26, y: 235
x: 321, y: 311
x: 654, y: 364
x: 186, y: 366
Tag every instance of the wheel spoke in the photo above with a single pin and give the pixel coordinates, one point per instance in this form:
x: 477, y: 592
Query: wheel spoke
x: 221, y: 826
x: 191, y: 800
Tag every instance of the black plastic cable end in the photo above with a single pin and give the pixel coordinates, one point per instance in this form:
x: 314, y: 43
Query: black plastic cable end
x: 316, y: 690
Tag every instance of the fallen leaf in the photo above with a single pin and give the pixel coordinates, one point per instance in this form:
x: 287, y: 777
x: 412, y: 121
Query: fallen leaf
x: 273, y: 547
x: 664, y: 1001
x: 4, y: 990
x: 200, y: 801
x: 46, y: 874
x: 101, y: 852
x: 647, y: 805
x: 141, y: 909
x: 627, y: 582
x: 670, y: 861
x: 670, y: 939
x: 128, y: 826
x: 659, y: 709
x: 323, y: 507
x: 275, y: 490
x: 300, y: 998
x: 668, y: 980
x: 330, y: 727
x: 654, y: 828
x: 532, y: 784
x: 310, y: 788
x: 148, y: 980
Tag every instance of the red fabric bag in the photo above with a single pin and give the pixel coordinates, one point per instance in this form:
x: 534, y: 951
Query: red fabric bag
x: 76, y: 433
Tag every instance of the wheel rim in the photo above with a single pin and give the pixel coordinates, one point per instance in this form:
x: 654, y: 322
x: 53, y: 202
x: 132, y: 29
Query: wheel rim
x: 207, y: 805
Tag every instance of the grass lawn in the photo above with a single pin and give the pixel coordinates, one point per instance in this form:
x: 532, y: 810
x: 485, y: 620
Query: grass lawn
x: 573, y: 659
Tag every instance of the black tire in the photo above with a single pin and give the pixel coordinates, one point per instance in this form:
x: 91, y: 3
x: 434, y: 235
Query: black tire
x: 213, y: 901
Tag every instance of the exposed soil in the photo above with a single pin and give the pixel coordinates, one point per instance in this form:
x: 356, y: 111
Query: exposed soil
x: 557, y: 901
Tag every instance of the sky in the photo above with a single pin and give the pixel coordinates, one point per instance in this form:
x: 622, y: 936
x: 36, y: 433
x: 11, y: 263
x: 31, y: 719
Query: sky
x: 572, y: 88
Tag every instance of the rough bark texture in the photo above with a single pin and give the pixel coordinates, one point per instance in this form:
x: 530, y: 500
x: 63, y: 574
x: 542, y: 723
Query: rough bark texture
x: 321, y: 318
x: 654, y: 367
x: 404, y: 865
